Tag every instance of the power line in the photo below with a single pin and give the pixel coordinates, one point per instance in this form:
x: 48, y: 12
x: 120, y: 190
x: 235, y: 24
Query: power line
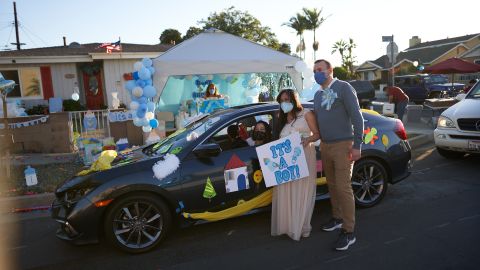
x: 9, y: 36
x: 28, y: 36
x: 22, y: 25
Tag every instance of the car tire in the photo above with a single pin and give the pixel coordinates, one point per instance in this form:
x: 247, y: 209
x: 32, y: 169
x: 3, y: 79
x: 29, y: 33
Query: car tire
x: 369, y: 182
x: 450, y: 154
x: 137, y: 223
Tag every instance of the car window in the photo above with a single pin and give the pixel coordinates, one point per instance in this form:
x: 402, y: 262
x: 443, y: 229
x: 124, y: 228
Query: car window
x: 244, y: 126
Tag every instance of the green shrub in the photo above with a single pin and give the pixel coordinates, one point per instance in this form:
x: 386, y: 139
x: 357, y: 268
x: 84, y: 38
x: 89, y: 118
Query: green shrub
x: 70, y: 105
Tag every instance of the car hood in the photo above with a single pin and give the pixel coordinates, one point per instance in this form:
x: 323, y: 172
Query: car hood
x: 467, y: 108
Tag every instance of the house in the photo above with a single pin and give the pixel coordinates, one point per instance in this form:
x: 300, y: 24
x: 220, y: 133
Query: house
x: 236, y: 175
x: 425, y: 54
x: 42, y: 73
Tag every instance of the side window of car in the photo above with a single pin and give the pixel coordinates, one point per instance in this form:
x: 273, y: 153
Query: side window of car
x: 238, y: 134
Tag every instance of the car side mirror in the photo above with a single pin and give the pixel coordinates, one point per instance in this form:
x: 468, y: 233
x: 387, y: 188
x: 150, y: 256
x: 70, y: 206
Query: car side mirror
x: 207, y: 150
x: 460, y: 97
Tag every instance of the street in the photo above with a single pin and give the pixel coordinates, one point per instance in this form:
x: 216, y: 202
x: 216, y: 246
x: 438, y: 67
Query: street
x: 428, y: 221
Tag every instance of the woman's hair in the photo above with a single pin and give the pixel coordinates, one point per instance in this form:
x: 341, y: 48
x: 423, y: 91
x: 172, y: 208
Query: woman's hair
x: 282, y: 117
x: 207, y: 94
x: 268, y: 131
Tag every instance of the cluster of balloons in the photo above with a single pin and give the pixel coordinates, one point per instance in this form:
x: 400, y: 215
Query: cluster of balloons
x: 253, y: 86
x: 142, y: 94
x: 308, y: 79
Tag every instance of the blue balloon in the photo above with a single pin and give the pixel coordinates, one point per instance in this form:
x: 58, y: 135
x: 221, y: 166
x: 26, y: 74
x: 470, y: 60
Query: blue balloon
x: 154, y: 123
x: 148, y: 82
x: 151, y: 69
x: 137, y: 122
x: 149, y: 91
x: 147, y: 62
x: 150, y: 106
x: 135, y: 75
x: 142, y: 100
x: 144, y: 73
x: 245, y: 84
x: 129, y: 85
x: 140, y: 83
x: 142, y: 110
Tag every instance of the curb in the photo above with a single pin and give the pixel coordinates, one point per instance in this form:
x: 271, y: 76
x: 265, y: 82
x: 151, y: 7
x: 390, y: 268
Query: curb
x: 28, y: 203
x: 420, y: 140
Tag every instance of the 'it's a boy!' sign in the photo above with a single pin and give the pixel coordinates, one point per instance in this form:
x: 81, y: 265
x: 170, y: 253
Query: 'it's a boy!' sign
x: 283, y: 160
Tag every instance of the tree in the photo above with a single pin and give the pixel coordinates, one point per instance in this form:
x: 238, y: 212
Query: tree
x: 313, y: 21
x: 346, y: 53
x: 170, y: 36
x: 299, y: 24
x: 340, y: 73
x: 285, y: 48
x: 191, y: 32
x: 243, y: 24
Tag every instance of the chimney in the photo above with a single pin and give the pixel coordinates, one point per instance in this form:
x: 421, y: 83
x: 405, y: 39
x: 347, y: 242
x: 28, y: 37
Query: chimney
x: 414, y: 41
x: 64, y: 42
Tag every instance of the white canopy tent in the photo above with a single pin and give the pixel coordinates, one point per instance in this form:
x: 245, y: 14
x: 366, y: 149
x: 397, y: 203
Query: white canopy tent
x: 217, y: 52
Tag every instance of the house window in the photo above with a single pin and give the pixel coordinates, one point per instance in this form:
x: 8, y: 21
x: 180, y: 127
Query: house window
x: 28, y: 80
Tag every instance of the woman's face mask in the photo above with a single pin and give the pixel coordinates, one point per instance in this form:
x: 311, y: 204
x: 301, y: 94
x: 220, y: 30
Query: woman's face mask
x: 286, y: 106
x: 259, y: 135
x: 212, y: 91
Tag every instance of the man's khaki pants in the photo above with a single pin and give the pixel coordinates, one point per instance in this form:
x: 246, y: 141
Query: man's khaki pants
x: 338, y: 171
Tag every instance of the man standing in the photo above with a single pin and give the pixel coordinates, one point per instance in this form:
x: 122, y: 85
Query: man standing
x: 341, y: 127
x: 397, y: 97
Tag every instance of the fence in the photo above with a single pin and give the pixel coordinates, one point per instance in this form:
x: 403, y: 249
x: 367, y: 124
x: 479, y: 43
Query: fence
x: 100, y: 128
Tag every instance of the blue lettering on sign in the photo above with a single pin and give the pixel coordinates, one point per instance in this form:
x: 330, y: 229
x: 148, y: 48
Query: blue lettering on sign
x: 274, y: 153
x: 282, y: 148
x: 288, y: 147
x: 283, y: 163
x: 289, y: 174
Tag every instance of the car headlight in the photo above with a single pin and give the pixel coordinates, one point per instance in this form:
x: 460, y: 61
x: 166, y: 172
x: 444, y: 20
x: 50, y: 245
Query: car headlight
x: 74, y: 195
x: 445, y: 122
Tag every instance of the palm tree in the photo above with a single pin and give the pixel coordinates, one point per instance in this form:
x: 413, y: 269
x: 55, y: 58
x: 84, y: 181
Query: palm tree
x: 350, y: 59
x: 299, y: 24
x: 314, y: 20
x: 341, y: 47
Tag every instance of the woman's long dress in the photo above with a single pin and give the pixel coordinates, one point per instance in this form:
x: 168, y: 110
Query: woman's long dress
x: 293, y: 202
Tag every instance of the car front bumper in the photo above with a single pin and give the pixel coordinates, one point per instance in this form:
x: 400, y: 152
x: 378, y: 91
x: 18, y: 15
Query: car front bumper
x: 78, y: 222
x: 454, y: 140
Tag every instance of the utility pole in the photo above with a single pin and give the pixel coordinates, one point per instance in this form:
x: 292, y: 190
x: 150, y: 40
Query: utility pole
x: 393, y: 62
x: 16, y: 27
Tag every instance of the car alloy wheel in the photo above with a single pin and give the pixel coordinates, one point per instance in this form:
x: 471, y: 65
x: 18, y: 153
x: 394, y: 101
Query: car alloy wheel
x: 137, y: 223
x: 369, y: 182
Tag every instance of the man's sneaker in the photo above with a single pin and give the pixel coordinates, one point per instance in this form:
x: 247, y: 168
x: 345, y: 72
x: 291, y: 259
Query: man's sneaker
x: 345, y: 239
x: 332, y: 225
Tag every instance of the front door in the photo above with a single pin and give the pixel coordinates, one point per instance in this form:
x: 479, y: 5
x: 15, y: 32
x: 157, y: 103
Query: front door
x: 92, y: 84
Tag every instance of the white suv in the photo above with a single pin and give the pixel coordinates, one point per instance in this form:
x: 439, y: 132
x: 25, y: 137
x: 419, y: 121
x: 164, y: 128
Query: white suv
x: 458, y: 128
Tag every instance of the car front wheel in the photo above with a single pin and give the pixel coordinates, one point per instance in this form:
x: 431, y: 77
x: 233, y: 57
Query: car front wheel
x: 137, y: 223
x: 369, y: 182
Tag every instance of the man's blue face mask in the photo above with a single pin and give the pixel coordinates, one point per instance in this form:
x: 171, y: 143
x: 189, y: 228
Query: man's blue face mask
x: 320, y: 77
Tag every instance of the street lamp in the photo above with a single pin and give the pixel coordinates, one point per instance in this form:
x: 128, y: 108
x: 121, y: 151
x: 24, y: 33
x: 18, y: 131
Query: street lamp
x: 75, y: 95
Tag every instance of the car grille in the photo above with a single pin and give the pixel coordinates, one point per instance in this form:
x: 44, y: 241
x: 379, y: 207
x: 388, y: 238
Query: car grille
x: 471, y: 124
x: 465, y: 137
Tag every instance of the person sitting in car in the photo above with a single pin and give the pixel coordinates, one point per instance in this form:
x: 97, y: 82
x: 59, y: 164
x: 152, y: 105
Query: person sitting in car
x: 262, y: 134
x: 233, y: 136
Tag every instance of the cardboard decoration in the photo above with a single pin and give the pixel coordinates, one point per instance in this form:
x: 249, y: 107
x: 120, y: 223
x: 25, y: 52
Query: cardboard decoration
x: 370, y: 136
x: 30, y: 176
x: 209, y: 191
x: 385, y: 140
x: 283, y: 160
x: 236, y: 175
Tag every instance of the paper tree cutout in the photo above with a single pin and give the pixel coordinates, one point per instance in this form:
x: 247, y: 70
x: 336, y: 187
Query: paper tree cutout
x: 209, y: 191
x: 370, y: 136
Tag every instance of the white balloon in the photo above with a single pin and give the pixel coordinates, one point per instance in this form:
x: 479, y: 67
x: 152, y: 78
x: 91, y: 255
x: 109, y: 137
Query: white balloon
x: 134, y: 105
x: 308, y: 82
x: 308, y: 73
x: 75, y: 96
x: 137, y: 66
x: 149, y: 115
x: 301, y: 66
x: 146, y: 129
x: 137, y: 91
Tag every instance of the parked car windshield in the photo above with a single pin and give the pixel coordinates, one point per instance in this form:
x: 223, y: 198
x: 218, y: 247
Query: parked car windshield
x: 436, y: 79
x: 475, y: 92
x: 194, y: 129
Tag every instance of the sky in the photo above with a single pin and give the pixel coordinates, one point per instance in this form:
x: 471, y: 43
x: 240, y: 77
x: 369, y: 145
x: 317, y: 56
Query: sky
x: 45, y: 22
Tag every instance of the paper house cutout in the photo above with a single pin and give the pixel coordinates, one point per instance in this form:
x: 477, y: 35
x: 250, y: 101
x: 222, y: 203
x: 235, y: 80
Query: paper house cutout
x: 236, y: 175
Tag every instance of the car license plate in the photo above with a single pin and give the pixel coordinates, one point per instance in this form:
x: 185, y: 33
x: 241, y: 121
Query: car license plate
x: 474, y: 145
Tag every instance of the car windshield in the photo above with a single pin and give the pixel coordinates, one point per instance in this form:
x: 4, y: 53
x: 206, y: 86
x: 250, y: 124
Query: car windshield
x: 436, y: 79
x: 194, y: 129
x: 475, y: 92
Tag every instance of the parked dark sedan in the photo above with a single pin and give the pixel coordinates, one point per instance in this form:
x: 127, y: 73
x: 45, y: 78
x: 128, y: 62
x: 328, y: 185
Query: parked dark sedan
x: 133, y: 206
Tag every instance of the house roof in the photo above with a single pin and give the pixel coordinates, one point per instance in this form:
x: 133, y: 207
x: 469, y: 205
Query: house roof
x: 82, y: 49
x: 425, y: 52
x: 234, y: 163
x: 443, y: 41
